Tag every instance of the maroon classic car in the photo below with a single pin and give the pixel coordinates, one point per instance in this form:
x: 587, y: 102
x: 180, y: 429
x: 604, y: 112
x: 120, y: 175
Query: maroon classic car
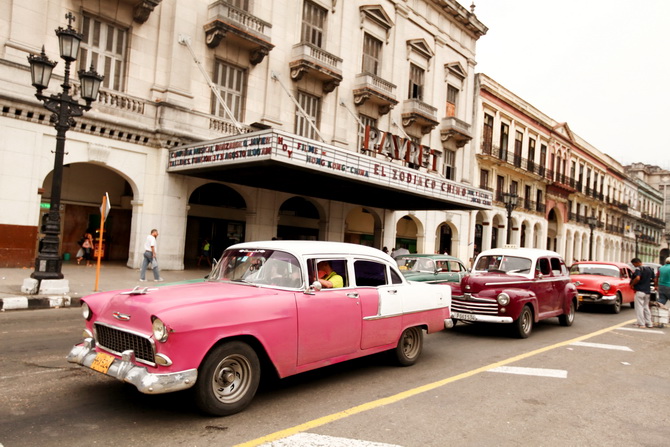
x: 604, y: 283
x: 516, y: 285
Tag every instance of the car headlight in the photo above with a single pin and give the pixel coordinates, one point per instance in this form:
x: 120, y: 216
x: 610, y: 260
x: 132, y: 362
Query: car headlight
x: 159, y: 329
x: 86, y: 311
x: 503, y: 299
x: 605, y: 286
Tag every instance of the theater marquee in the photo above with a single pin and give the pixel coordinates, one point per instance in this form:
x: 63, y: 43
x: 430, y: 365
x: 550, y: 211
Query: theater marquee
x: 287, y: 157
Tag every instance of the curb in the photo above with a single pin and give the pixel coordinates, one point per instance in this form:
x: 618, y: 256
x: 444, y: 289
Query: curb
x: 47, y: 302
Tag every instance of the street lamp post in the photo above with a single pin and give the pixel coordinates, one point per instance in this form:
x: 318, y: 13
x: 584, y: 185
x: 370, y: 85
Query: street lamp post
x: 64, y: 108
x: 510, y: 200
x: 593, y: 222
x: 638, y: 233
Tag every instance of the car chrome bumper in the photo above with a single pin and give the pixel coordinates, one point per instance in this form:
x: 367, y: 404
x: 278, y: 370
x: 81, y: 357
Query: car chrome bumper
x: 125, y: 370
x: 480, y: 318
x: 593, y: 298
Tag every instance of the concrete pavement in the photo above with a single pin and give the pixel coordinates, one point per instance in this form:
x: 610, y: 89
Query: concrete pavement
x: 113, y: 276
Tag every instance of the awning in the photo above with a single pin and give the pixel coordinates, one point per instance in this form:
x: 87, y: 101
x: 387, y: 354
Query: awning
x: 281, y: 161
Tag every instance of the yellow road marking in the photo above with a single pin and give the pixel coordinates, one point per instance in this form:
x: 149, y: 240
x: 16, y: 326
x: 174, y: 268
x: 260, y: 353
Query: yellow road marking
x: 414, y: 391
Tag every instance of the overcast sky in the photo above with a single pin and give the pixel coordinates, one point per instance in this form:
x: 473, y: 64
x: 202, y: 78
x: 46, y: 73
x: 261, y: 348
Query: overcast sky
x: 602, y: 66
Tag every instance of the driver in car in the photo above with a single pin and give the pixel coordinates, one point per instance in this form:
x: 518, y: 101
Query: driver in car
x: 328, y: 278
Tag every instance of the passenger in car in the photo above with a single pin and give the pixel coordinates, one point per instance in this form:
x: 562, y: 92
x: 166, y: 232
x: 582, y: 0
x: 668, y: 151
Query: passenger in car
x: 328, y: 277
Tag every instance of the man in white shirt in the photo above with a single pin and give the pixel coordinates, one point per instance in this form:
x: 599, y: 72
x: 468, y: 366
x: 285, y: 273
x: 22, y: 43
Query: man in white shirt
x: 150, y: 257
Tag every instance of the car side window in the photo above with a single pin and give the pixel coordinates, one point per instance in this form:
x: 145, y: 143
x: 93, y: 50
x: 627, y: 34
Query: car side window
x: 338, y: 266
x: 370, y: 273
x: 556, y: 266
x: 396, y: 278
x: 543, y: 267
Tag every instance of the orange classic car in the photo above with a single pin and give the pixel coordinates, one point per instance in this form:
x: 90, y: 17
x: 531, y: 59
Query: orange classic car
x: 604, y: 283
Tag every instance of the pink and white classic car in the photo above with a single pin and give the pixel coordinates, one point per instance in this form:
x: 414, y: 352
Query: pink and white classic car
x: 262, y: 309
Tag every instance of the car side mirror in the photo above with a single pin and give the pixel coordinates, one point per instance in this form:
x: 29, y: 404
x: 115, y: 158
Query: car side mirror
x: 316, y: 285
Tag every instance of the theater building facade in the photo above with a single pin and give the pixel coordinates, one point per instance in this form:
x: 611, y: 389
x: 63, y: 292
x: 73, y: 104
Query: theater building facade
x: 240, y: 120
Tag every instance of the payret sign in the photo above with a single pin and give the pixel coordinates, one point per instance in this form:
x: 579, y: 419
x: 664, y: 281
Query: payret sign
x: 283, y: 147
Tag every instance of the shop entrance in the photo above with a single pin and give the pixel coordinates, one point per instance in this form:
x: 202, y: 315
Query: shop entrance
x: 217, y: 215
x: 298, y: 219
x: 84, y: 185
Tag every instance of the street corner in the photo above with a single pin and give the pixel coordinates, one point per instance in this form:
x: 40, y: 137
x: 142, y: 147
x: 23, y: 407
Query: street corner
x: 41, y: 302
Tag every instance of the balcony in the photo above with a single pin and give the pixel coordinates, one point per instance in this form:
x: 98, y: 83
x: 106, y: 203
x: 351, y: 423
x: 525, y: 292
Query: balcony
x: 456, y: 130
x: 240, y: 27
x: 563, y: 182
x: 415, y: 111
x: 314, y: 61
x: 373, y: 89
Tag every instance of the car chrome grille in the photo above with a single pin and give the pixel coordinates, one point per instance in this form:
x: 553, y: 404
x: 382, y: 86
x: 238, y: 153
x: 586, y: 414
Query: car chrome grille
x: 116, y: 341
x: 474, y: 305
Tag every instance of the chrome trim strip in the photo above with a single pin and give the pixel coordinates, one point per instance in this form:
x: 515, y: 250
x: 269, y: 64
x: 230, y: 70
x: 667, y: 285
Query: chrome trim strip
x: 379, y: 317
x: 124, y: 370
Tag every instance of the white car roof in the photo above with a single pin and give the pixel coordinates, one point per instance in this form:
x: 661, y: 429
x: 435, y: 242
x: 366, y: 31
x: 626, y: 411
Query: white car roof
x: 310, y: 248
x: 532, y: 253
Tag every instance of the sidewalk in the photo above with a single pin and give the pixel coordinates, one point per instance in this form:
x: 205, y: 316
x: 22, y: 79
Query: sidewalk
x: 113, y: 276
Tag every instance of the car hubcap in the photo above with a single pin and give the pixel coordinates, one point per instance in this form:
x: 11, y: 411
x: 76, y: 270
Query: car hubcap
x: 231, y: 378
x: 410, y: 344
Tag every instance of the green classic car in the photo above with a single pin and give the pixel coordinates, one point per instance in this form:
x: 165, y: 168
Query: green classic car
x: 431, y: 268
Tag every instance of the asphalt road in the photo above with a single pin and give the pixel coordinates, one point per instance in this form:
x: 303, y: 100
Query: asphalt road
x: 599, y: 382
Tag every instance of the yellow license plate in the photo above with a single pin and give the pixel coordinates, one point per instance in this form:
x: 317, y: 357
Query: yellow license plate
x: 102, y: 362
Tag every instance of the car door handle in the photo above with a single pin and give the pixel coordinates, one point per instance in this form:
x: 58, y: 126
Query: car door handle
x: 352, y: 295
x: 393, y: 291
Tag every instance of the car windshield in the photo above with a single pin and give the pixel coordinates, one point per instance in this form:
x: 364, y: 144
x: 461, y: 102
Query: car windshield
x: 258, y: 267
x: 503, y: 264
x: 413, y: 264
x: 595, y: 269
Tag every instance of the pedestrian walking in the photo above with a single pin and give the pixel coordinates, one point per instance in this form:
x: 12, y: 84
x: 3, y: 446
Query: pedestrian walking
x: 641, y: 283
x: 205, y: 253
x: 150, y: 257
x: 662, y: 282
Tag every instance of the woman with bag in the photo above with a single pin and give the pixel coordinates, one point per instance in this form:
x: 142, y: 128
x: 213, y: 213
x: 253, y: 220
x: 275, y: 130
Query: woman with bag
x: 86, y: 250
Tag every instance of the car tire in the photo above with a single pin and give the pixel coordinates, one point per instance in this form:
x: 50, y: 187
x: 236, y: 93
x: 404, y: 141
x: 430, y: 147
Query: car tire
x: 632, y: 304
x: 409, y: 346
x: 616, y: 307
x: 523, y: 325
x: 228, y: 379
x: 569, y: 318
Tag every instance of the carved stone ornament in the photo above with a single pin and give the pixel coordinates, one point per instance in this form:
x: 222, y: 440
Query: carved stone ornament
x: 143, y: 10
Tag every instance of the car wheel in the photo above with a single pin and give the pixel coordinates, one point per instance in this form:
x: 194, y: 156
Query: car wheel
x: 524, y: 324
x: 228, y: 379
x: 616, y: 308
x: 409, y: 346
x: 569, y: 318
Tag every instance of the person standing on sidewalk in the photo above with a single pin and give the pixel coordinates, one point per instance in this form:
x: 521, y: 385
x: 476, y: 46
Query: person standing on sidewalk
x: 150, y: 257
x: 641, y: 283
x: 662, y: 282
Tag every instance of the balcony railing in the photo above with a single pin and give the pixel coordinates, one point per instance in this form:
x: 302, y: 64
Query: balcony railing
x: 369, y: 87
x: 307, y: 58
x: 248, y: 31
x: 416, y: 111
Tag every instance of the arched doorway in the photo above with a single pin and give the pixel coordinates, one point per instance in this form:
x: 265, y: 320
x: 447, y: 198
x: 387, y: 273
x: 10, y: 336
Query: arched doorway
x: 84, y: 185
x: 406, y: 234
x: 498, y: 226
x: 363, y: 227
x: 552, y: 230
x: 444, y: 238
x: 217, y: 213
x: 298, y: 220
